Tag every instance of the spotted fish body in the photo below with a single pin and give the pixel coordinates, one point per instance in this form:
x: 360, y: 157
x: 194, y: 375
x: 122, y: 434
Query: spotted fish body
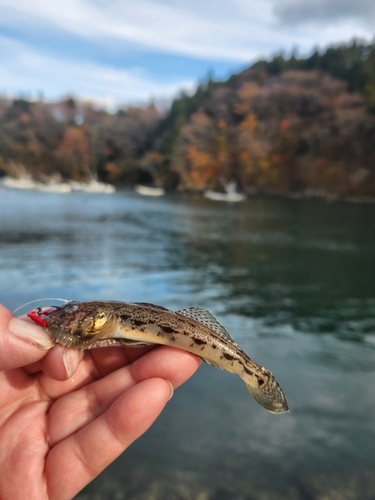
x: 85, y: 325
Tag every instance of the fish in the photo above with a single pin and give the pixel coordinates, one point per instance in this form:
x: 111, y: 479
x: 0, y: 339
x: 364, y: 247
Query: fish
x: 87, y: 325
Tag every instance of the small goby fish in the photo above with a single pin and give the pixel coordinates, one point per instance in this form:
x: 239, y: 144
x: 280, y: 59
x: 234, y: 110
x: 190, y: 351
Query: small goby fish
x: 84, y: 325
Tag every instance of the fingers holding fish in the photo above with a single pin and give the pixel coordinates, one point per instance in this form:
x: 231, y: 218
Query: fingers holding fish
x: 25, y: 344
x: 85, y: 453
x: 112, y: 358
x: 77, y: 409
x: 90, y: 366
x: 60, y: 363
x: 22, y: 342
x: 169, y: 363
x: 80, y: 407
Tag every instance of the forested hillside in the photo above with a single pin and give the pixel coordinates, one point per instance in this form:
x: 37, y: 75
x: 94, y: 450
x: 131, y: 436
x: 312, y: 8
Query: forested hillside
x: 296, y: 126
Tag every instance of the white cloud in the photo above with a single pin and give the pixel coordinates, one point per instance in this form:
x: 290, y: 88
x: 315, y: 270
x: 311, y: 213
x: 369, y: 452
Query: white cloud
x: 170, y: 27
x: 25, y: 70
x: 235, y: 30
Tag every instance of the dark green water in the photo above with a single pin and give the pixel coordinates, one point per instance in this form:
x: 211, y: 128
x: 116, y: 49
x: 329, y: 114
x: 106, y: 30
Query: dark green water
x: 293, y: 281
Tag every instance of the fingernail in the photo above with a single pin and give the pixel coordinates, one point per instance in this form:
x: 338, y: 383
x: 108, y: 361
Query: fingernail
x: 71, y: 359
x: 30, y: 333
x: 67, y: 362
x: 172, y: 389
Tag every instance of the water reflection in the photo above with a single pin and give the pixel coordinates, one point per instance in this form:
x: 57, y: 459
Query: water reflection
x: 294, y: 283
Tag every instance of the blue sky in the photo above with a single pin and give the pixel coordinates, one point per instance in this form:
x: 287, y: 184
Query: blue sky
x: 130, y: 51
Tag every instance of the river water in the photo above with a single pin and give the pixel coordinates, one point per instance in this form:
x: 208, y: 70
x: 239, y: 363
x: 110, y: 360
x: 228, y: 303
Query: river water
x: 293, y: 281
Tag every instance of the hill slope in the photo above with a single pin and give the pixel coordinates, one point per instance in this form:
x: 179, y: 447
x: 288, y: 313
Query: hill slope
x: 297, y: 126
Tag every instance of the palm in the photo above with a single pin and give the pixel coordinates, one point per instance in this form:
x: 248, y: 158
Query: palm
x: 56, y: 436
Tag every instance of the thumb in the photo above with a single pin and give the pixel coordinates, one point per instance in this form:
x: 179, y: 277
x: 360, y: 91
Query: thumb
x: 21, y: 342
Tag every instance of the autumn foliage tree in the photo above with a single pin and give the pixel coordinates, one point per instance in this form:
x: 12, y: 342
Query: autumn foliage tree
x: 73, y: 152
x: 297, y: 126
x: 298, y: 131
x: 73, y: 139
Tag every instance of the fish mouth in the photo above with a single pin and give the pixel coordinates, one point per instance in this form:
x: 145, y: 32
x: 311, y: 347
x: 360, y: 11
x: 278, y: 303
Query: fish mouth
x: 39, y: 314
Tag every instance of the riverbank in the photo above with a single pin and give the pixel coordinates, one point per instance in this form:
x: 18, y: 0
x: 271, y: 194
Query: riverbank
x: 94, y: 186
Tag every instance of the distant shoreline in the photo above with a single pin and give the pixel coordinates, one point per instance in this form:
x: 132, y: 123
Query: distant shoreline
x: 313, y: 195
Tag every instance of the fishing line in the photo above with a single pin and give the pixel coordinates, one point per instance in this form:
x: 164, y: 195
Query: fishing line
x: 39, y: 300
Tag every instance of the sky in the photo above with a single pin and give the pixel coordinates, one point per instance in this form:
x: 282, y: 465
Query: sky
x: 121, y: 52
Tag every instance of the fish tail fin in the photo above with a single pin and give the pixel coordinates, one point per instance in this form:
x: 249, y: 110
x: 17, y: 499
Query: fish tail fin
x: 269, y: 394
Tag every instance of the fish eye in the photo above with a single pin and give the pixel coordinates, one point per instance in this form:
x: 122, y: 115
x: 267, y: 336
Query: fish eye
x: 71, y: 307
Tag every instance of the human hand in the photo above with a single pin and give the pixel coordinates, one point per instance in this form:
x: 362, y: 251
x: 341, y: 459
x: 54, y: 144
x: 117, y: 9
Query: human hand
x: 65, y: 415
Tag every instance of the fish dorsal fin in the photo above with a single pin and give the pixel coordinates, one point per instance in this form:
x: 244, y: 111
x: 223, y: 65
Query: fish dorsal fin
x: 206, y: 318
x: 153, y: 306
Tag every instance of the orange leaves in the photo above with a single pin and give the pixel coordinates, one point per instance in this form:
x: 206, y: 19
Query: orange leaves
x: 202, y: 166
x: 198, y: 159
x: 112, y: 168
x: 74, y: 150
x: 276, y: 158
x: 200, y: 119
x: 250, y: 123
x: 201, y: 150
x: 248, y: 91
x: 222, y: 125
x: 265, y: 165
x: 284, y: 125
x: 245, y: 156
x: 245, y: 97
x: 24, y: 118
x: 2, y: 166
x: 154, y: 156
x: 74, y: 140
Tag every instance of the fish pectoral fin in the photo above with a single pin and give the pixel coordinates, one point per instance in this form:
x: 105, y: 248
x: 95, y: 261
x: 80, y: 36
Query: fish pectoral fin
x: 133, y: 343
x: 106, y: 342
x: 212, y: 364
x: 206, y: 317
